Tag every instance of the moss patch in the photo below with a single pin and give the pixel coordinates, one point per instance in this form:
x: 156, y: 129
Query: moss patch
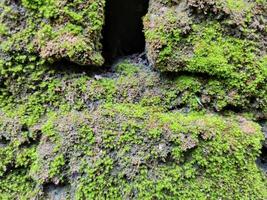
x: 215, y: 39
x: 113, y: 136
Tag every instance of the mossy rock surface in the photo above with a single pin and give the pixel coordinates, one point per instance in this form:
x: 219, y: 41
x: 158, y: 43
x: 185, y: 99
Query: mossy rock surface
x: 124, y: 151
x: 53, y: 30
x: 183, y: 126
x: 114, y: 136
x: 223, y: 40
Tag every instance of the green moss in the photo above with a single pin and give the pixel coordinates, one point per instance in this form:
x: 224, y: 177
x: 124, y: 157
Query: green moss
x: 207, y: 49
x: 47, y: 9
x: 195, y: 174
x: 126, y: 68
x: 135, y: 133
x: 78, y: 40
x: 160, y: 154
x: 57, y: 165
x: 17, y: 185
x: 239, y: 5
x: 3, y: 29
x: 126, y: 150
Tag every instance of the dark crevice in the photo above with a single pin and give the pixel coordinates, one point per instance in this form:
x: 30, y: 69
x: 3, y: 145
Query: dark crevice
x: 53, y: 191
x: 4, y: 141
x: 123, y: 30
x: 263, y: 156
x: 262, y: 160
x: 65, y: 66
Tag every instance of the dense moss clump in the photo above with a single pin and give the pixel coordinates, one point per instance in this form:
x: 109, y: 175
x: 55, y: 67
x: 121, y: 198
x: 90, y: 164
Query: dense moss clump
x: 113, y: 136
x: 223, y: 40
x: 52, y: 29
x: 36, y: 34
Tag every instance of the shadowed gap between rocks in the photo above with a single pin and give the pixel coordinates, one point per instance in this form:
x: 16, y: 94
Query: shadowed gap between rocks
x: 262, y: 160
x: 123, y: 30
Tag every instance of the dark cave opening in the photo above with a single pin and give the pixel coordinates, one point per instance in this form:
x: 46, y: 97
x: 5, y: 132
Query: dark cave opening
x: 123, y: 30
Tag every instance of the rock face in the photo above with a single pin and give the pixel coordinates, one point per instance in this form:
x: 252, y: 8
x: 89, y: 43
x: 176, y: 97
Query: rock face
x: 181, y: 33
x: 122, y: 151
x: 54, y: 30
x: 224, y: 40
x: 182, y: 125
x: 118, y: 136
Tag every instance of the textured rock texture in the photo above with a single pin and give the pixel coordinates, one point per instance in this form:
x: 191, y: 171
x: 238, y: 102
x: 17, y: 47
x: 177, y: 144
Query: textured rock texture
x: 185, y: 125
x: 223, y: 41
x: 121, y: 135
x: 54, y: 30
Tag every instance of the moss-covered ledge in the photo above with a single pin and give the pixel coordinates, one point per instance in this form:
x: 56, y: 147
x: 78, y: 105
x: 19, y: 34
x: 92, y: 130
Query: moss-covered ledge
x: 54, y: 30
x: 223, y: 40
